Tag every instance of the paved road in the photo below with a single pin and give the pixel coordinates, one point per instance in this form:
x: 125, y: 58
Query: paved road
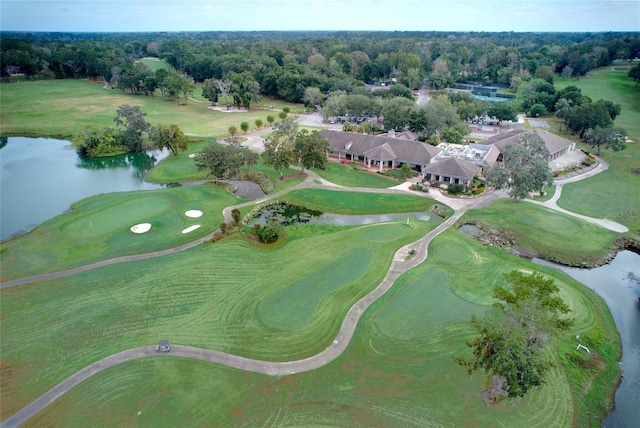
x: 423, y: 96
x: 401, y: 263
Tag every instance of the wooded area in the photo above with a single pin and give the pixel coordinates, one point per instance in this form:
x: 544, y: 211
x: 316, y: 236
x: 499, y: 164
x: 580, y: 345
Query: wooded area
x: 284, y: 64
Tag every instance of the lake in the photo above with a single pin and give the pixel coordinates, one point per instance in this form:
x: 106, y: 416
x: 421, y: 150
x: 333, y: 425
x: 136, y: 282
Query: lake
x: 41, y: 177
x: 618, y: 283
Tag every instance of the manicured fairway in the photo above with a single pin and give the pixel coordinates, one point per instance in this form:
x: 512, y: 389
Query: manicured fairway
x: 64, y: 108
x: 216, y: 296
x: 615, y: 193
x: 542, y: 231
x: 99, y: 228
x: 398, y: 371
x: 344, y: 175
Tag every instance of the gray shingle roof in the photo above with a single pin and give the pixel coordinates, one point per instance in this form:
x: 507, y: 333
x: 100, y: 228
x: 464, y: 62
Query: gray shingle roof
x: 552, y: 142
x: 453, y: 167
x: 412, y: 152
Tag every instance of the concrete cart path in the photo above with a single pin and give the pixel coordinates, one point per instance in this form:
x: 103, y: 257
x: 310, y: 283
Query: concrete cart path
x: 403, y: 261
x: 553, y: 202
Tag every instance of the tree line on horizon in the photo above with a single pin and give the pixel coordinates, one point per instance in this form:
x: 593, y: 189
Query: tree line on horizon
x: 284, y: 64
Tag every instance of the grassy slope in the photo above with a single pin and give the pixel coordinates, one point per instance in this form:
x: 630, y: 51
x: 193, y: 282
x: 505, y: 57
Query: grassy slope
x: 204, y: 297
x: 398, y: 371
x: 542, y: 231
x: 615, y: 193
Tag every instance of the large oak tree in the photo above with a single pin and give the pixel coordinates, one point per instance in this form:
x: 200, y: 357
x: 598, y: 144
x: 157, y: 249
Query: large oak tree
x: 513, y: 335
x: 524, y: 167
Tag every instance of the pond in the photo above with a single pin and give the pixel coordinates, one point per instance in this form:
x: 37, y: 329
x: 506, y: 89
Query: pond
x: 618, y: 283
x: 287, y: 215
x: 41, y: 177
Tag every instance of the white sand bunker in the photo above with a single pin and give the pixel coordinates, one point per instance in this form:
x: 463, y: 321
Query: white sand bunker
x: 192, y: 155
x: 193, y: 213
x: 191, y: 228
x: 141, y: 228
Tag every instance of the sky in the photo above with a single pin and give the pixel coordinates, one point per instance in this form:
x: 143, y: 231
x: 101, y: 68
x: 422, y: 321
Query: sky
x: 322, y: 15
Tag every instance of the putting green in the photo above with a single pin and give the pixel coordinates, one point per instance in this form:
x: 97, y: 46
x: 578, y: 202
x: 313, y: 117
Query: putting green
x: 119, y: 216
x: 294, y: 306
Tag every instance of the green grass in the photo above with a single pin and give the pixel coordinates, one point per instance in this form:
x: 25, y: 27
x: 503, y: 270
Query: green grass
x: 542, y: 231
x: 398, y: 370
x: 98, y: 228
x: 64, y: 108
x: 155, y: 64
x: 209, y: 296
x: 181, y: 168
x: 344, y: 175
x: 615, y: 193
x: 339, y: 202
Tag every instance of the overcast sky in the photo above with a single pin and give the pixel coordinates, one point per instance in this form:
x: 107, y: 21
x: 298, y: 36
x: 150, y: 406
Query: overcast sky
x: 385, y: 15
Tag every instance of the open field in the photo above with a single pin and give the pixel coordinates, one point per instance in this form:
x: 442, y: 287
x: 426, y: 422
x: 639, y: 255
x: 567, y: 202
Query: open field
x: 205, y: 297
x: 615, y: 193
x: 64, y: 108
x: 398, y: 371
x: 539, y: 230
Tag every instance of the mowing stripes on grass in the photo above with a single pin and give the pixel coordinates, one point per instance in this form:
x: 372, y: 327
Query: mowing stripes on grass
x: 293, y: 307
x: 425, y: 304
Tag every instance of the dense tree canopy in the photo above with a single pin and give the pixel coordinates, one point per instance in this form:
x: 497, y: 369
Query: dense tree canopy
x: 634, y: 73
x: 608, y: 138
x: 169, y: 137
x: 279, y: 146
x: 224, y: 162
x: 524, y: 168
x: 284, y: 64
x: 512, y: 335
x: 132, y: 119
x: 311, y: 149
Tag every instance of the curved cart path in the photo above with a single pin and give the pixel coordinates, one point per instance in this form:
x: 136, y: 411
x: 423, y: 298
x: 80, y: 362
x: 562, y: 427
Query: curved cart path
x: 553, y: 202
x: 401, y: 263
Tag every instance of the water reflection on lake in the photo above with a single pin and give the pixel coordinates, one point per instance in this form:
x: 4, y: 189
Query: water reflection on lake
x: 617, y: 283
x: 41, y: 177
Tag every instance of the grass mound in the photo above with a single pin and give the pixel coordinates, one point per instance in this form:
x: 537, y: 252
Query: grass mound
x: 539, y: 230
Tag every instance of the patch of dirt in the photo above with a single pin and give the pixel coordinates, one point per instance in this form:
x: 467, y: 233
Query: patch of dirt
x: 231, y: 109
x: 636, y: 172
